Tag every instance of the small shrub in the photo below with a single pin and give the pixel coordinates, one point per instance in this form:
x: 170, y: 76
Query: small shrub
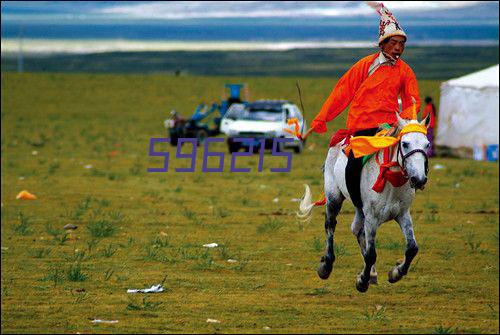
x: 340, y: 250
x: 271, y: 225
x: 376, y: 314
x: 91, y: 244
x: 103, y: 202
x: 39, y: 253
x: 469, y: 171
x: 392, y: 245
x: 52, y: 231
x: 473, y: 245
x: 188, y: 214
x: 317, y: 244
x: 108, y: 251
x: 448, y: 253
x: 136, y: 169
x: 154, y: 254
x: 431, y: 205
x: 108, y: 274
x: 206, y: 262
x: 221, y: 212
x: 75, y: 273
x: 160, y: 242
x: 224, y: 251
x: 55, y: 274
x: 61, y: 239
x: 81, y: 208
x: 97, y: 173
x: 77, y: 256
x: 101, y: 228
x: 320, y: 291
x: 59, y: 236
x: 146, y: 305
x: 443, y: 330
x: 431, y: 217
x: 116, y: 216
x: 23, y: 227
x: 82, y: 296
x: 53, y: 167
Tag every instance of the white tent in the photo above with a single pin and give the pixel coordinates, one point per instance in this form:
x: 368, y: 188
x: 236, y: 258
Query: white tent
x: 468, y: 110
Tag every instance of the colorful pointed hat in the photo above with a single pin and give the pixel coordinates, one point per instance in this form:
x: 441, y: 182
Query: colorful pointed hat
x: 389, y: 26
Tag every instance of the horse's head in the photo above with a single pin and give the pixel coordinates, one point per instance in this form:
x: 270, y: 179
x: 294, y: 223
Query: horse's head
x: 412, y: 155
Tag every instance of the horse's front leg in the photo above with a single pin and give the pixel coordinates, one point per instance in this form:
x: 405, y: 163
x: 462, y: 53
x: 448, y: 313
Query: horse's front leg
x: 358, y: 230
x: 333, y: 206
x: 369, y: 254
x: 400, y: 270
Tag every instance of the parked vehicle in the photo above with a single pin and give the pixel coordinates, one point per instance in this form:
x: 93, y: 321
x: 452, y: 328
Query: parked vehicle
x: 262, y: 119
x: 194, y: 127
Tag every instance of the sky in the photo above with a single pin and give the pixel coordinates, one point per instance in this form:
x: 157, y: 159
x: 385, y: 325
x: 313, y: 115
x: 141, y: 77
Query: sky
x: 182, y: 10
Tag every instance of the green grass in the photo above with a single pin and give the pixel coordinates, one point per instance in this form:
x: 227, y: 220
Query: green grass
x: 135, y: 227
x: 101, y: 228
x: 75, y: 273
x: 23, y: 228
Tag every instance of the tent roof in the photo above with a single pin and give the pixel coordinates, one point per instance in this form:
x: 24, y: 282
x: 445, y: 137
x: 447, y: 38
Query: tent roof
x: 481, y: 79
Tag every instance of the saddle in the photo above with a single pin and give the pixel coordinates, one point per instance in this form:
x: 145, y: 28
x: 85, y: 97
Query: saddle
x: 355, y: 164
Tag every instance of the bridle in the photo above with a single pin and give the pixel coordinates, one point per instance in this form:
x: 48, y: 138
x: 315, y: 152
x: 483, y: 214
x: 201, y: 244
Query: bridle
x: 408, y: 154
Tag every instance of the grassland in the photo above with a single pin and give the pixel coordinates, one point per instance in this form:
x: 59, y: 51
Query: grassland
x: 427, y: 62
x: 80, y: 143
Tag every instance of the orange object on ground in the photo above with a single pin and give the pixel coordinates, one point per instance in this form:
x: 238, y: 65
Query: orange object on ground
x: 25, y: 195
x: 373, y: 99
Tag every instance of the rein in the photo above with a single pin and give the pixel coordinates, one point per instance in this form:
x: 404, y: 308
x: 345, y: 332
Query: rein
x: 404, y: 157
x: 399, y: 177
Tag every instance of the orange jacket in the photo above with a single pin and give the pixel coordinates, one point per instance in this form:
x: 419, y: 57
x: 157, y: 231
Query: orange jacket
x: 429, y: 109
x: 373, y: 99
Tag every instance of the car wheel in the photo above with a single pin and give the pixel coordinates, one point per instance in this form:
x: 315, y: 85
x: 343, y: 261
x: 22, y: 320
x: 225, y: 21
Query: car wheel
x: 233, y: 147
x: 299, y: 148
x: 280, y: 147
x: 201, y: 135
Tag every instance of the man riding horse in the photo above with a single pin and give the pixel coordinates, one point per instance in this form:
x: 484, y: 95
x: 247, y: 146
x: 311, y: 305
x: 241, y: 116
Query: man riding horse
x: 371, y: 87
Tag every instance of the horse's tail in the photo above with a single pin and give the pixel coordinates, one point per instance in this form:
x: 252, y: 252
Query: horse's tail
x: 306, y: 205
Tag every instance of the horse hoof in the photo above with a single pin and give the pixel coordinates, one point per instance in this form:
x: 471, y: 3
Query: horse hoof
x: 324, y: 270
x: 361, y: 285
x: 373, y: 280
x: 394, y: 275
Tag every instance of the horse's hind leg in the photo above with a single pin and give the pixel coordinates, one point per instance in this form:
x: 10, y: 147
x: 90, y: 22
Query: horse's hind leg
x: 333, y: 206
x: 369, y: 254
x: 358, y: 230
x: 401, y: 270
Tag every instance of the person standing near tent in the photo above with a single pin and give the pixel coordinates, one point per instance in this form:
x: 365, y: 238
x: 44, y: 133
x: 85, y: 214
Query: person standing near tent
x: 430, y: 110
x: 371, y: 87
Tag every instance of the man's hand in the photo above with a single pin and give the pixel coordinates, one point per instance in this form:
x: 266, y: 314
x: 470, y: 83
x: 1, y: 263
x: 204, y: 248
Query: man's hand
x: 304, y: 136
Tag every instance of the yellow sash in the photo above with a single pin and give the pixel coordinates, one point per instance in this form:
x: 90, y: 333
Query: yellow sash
x: 366, y: 145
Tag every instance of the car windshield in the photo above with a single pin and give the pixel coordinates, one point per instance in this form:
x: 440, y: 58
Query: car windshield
x: 261, y: 115
x: 235, y: 111
x: 256, y: 115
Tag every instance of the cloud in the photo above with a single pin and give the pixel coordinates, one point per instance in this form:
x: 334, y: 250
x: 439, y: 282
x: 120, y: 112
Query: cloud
x: 250, y: 9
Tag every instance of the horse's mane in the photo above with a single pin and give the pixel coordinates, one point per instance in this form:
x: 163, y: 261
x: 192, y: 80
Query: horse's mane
x: 395, y: 130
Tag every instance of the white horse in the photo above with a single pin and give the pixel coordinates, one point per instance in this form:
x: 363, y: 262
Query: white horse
x: 392, y: 203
